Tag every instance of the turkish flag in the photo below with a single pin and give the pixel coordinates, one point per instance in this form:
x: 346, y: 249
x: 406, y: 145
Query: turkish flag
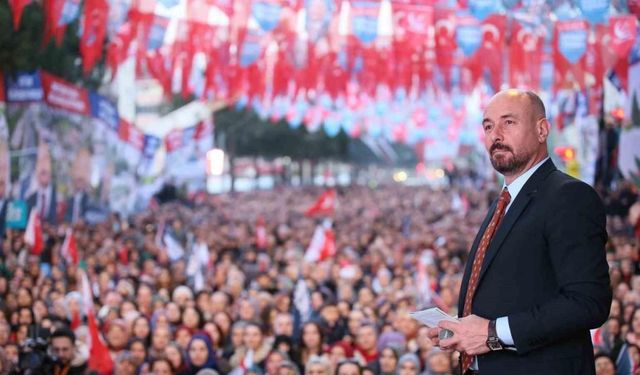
x: 99, y: 357
x: 322, y: 245
x: 525, y: 56
x: 33, y: 233
x: 445, y: 37
x: 622, y: 33
x: 69, y: 249
x: 17, y: 6
x: 324, y: 205
x: 490, y: 52
x: 93, y: 33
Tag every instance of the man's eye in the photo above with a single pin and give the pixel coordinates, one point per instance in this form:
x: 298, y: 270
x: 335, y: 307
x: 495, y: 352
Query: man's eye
x: 510, y: 122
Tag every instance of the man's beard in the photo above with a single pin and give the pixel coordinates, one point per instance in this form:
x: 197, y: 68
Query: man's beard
x: 507, y: 163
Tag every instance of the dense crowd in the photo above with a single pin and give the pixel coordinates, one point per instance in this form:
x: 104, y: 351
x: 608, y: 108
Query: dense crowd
x: 242, y: 299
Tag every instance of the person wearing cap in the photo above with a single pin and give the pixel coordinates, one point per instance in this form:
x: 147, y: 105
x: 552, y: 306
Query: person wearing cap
x: 408, y: 364
x: 125, y: 364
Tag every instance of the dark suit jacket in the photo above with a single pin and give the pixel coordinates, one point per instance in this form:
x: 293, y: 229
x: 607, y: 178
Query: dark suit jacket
x: 84, y: 206
x: 546, y: 270
x: 3, y: 217
x: 51, y: 211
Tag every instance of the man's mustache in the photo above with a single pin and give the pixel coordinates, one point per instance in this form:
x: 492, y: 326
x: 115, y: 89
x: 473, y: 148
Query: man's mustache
x: 500, y: 147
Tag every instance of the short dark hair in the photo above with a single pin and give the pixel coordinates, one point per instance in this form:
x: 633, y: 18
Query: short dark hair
x: 64, y: 332
x: 605, y: 355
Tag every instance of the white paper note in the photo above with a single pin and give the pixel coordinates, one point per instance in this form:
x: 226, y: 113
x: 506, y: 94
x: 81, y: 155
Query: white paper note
x: 431, y: 317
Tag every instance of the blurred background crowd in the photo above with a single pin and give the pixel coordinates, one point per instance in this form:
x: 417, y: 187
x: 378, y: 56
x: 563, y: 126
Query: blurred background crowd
x: 228, y: 285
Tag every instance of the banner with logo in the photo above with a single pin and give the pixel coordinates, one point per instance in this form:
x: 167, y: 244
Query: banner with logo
x: 570, y: 47
x: 318, y: 15
x: 364, y: 19
x: 60, y: 94
x: 23, y: 87
x: 266, y: 13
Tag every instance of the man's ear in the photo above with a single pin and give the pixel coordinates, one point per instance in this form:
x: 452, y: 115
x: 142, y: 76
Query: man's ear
x: 542, y: 129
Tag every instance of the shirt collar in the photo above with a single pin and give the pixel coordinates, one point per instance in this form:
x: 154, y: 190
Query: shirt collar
x: 516, y: 185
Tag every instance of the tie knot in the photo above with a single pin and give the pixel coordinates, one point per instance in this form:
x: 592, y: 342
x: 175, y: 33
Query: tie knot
x: 505, y: 197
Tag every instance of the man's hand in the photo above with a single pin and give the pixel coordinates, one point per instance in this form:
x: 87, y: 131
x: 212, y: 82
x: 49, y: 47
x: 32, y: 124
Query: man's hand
x: 433, y: 336
x: 469, y: 335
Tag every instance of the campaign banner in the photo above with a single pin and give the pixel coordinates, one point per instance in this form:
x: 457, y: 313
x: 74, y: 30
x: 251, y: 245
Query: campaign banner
x: 17, y: 212
x: 63, y: 95
x: 157, y: 32
x: 251, y: 47
x: 23, y: 87
x: 596, y: 11
x: 571, y: 39
x: 318, y: 17
x: 622, y: 33
x: 482, y: 9
x: 104, y: 110
x: 266, y: 13
x: 364, y: 20
x: 468, y: 35
x: 411, y: 22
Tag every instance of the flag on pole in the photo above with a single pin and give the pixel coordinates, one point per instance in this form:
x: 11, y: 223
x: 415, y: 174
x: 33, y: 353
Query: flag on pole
x: 322, y: 245
x: 33, y: 234
x: 302, y: 299
x: 174, y: 249
x: 69, y: 249
x: 325, y: 205
x: 99, y: 357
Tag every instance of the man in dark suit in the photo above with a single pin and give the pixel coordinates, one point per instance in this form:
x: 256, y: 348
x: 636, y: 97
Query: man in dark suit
x: 77, y: 204
x: 537, y: 277
x: 43, y: 197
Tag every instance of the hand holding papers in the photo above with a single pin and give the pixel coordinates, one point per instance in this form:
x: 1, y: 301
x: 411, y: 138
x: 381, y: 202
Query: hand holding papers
x: 431, y: 317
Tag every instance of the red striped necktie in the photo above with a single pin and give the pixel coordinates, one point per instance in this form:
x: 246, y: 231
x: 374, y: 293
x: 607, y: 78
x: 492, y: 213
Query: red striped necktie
x: 503, y: 202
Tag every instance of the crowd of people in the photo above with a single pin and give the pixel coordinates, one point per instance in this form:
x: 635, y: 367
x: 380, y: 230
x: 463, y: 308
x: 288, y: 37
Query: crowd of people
x: 223, y: 286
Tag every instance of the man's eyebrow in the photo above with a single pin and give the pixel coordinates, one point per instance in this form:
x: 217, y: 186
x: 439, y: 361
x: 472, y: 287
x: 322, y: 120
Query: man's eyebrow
x: 509, y: 115
x: 505, y: 116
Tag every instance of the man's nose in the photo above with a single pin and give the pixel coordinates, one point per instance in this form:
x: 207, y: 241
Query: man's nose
x: 497, y: 134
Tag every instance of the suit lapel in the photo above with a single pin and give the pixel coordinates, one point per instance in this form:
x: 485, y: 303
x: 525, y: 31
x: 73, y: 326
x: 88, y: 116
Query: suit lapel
x: 523, y: 199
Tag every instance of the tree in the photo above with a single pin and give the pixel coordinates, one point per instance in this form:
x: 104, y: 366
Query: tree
x: 25, y: 50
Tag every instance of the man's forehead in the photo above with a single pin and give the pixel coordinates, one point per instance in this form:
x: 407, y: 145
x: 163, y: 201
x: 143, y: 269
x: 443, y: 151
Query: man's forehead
x: 506, y: 104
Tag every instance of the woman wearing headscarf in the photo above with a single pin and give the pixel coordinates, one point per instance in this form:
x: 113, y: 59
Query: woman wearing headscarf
x: 200, y: 354
x: 409, y: 364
